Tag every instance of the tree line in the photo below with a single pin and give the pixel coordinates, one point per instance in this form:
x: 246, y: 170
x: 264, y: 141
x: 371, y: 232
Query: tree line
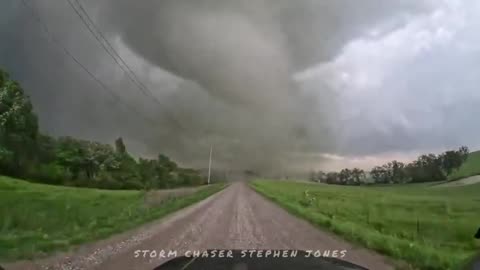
x: 426, y: 168
x: 26, y: 153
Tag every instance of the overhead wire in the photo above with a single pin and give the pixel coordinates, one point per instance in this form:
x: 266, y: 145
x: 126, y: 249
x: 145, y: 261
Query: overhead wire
x: 107, y: 46
x: 54, y: 41
x: 96, y: 36
x: 107, y: 42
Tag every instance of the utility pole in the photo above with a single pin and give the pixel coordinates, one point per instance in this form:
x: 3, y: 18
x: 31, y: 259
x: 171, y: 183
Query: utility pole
x: 210, y: 164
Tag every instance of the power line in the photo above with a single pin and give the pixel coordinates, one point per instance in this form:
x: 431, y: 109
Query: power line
x: 102, y: 36
x: 54, y: 41
x: 107, y: 46
x: 95, y: 35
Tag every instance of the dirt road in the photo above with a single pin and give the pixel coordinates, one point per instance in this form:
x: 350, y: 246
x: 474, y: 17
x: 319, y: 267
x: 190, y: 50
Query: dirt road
x: 236, y: 218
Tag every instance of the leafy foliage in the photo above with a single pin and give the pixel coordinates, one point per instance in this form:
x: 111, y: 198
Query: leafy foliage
x: 18, y: 125
x: 26, y: 153
x: 427, y: 168
x: 344, y: 177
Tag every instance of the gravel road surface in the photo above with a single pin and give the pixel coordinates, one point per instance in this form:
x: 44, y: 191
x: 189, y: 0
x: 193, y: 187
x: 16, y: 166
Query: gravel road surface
x: 235, y: 218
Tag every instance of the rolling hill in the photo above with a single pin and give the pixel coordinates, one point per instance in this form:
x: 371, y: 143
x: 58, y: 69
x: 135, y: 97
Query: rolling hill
x: 470, y: 168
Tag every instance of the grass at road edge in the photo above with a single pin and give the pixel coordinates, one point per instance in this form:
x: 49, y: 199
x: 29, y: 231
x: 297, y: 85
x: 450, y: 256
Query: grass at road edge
x: 37, y: 220
x: 339, y: 209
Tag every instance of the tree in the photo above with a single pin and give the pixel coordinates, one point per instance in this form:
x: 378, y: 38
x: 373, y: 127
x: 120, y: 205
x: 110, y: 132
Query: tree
x: 125, y: 171
x: 332, y: 178
x: 392, y: 172
x: 46, y: 149
x: 71, y: 154
x: 388, y: 173
x: 464, y: 152
x: 6, y: 157
x: 427, y: 168
x: 450, y: 161
x: 120, y: 146
x: 190, y: 177
x: 358, y: 176
x: 18, y: 124
x: 379, y: 175
x: 98, y: 156
x: 165, y: 162
x: 345, y: 177
x: 397, y: 172
x: 25, y: 152
x: 453, y: 160
x: 148, y: 177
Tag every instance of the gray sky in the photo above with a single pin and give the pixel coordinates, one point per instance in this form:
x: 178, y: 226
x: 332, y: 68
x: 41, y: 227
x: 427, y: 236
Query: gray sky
x: 408, y: 88
x: 314, y: 84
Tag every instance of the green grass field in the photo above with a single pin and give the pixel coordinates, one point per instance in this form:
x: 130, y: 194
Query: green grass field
x: 429, y: 228
x: 38, y: 219
x: 469, y: 168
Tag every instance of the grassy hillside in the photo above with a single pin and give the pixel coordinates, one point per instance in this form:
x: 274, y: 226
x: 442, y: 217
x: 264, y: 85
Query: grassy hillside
x: 36, y: 219
x: 469, y: 168
x: 429, y: 228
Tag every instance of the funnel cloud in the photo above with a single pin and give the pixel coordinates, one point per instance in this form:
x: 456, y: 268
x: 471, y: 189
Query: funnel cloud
x: 272, y: 84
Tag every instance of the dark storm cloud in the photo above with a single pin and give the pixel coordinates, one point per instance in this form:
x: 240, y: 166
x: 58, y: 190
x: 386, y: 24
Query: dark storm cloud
x: 66, y: 99
x: 222, y: 69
